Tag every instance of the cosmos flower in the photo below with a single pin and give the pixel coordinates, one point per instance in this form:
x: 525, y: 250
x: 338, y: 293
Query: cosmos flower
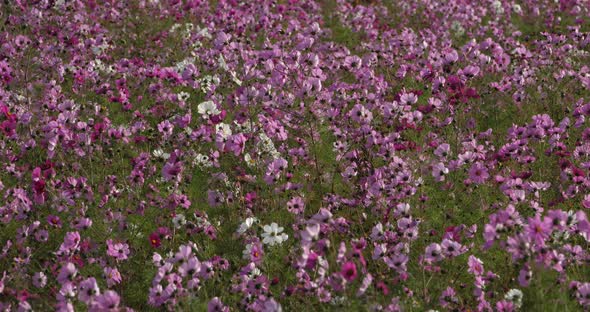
x: 439, y: 171
x: 478, y: 173
x: 119, y: 251
x: 39, y: 280
x: 215, y: 305
x: 515, y: 296
x: 247, y: 224
x: 538, y: 230
x: 88, y: 289
x: 155, y: 240
x: 332, y: 129
x: 109, y: 301
x: 273, y: 234
x: 67, y: 273
x: 348, y: 271
x: 113, y: 276
x: 208, y: 108
x: 475, y: 266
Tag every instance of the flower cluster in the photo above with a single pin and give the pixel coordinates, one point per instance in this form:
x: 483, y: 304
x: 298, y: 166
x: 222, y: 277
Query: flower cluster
x: 281, y: 155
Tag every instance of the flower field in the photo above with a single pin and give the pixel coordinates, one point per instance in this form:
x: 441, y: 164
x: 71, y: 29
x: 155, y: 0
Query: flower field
x: 294, y: 155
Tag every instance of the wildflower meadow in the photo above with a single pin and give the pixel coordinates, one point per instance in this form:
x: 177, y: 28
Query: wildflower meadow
x: 294, y: 155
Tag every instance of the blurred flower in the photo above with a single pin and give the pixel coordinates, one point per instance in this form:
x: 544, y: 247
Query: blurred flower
x: 272, y: 234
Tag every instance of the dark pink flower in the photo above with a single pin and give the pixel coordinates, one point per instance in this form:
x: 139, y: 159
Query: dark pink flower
x: 348, y: 271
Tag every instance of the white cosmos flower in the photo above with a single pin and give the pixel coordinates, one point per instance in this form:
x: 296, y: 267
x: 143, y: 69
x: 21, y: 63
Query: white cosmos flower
x: 235, y: 78
x: 497, y: 6
x: 159, y: 153
x: 181, y: 66
x: 272, y: 234
x: 246, y: 225
x: 203, y: 32
x: 223, y: 129
x: 183, y: 96
x: 222, y: 62
x: 203, y: 160
x: 179, y: 220
x: 255, y: 272
x: 514, y: 296
x: 249, y: 160
x: 208, y: 108
x: 174, y: 27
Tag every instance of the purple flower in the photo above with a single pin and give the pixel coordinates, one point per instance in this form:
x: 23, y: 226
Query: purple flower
x: 524, y: 276
x: 172, y: 171
x: 538, y: 230
x: 67, y: 273
x: 348, y: 271
x: 87, y: 289
x: 478, y: 173
x: 361, y: 114
x: 450, y: 248
x: 113, y: 276
x: 119, y: 251
x: 448, y: 298
x: 166, y: 128
x: 433, y: 253
x: 39, y: 280
x: 583, y: 294
x: 215, y: 305
x: 505, y: 306
x: 71, y: 241
x: 475, y: 266
x: 190, y: 267
x: 439, y: 171
x: 109, y: 301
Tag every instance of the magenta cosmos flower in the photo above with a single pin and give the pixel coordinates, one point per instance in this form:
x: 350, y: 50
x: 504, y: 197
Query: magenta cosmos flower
x: 349, y: 271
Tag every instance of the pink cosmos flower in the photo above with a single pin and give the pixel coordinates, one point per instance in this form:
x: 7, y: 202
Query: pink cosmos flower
x: 172, y: 171
x: 478, y: 173
x: 87, y: 289
x: 67, y: 273
x: 433, y: 253
x: 113, y: 276
x: 450, y: 248
x: 256, y: 253
x: 538, y: 230
x: 296, y: 205
x: 109, y: 301
x: 215, y: 305
x: 583, y: 294
x: 505, y: 306
x: 475, y: 266
x: 39, y: 280
x: 439, y: 171
x: 119, y: 251
x: 166, y: 128
x: 190, y: 267
x: 348, y: 271
x: 524, y: 277
x: 448, y: 297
